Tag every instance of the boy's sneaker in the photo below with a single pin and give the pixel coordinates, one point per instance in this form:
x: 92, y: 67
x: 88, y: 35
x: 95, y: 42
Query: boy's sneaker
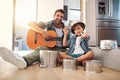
x: 13, y: 58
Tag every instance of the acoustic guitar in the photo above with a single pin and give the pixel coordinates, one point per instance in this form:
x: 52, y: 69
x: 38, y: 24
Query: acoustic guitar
x: 35, y: 39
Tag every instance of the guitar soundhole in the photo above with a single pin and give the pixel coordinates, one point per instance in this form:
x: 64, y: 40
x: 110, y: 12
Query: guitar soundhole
x: 36, y: 37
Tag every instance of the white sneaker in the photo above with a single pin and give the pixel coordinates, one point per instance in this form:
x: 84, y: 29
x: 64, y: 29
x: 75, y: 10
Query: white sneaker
x: 13, y: 58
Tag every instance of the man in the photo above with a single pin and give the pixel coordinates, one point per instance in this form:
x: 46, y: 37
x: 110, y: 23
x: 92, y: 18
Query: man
x: 23, y: 61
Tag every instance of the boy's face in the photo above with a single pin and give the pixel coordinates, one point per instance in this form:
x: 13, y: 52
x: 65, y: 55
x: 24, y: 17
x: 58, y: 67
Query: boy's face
x: 58, y: 17
x: 78, y: 30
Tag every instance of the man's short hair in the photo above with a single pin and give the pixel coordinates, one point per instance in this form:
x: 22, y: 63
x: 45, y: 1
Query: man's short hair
x: 59, y: 10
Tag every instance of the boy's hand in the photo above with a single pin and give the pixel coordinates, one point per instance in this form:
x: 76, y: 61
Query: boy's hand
x: 85, y: 35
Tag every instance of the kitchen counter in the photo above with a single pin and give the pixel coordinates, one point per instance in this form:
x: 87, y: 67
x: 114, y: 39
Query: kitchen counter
x: 109, y: 58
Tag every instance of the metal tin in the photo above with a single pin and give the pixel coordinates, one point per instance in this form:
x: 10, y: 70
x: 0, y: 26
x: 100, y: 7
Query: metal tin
x: 93, y: 66
x: 69, y: 64
x: 108, y: 44
x: 48, y: 58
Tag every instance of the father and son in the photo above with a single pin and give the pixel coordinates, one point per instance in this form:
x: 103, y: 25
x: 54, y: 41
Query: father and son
x: 77, y: 43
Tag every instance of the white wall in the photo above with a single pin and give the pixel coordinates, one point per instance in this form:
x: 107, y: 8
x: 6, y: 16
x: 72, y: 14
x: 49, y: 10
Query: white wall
x: 91, y: 21
x: 6, y: 18
x: 46, y: 12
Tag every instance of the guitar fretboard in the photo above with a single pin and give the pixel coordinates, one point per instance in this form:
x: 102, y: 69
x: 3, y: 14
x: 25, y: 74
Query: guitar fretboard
x: 55, y: 39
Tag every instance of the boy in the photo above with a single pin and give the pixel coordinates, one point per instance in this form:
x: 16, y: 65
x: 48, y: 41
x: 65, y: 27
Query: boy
x: 78, y: 44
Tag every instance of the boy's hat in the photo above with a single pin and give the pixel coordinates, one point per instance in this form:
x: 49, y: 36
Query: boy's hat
x: 76, y: 24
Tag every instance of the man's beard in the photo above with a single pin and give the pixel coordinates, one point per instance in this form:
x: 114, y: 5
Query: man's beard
x: 57, y: 22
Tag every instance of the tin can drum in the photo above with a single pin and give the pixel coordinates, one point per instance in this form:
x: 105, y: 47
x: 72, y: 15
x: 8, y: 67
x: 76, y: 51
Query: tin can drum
x: 93, y: 66
x: 69, y: 64
x: 48, y: 58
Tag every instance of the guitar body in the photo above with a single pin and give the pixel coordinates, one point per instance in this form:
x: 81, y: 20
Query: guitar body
x: 35, y: 39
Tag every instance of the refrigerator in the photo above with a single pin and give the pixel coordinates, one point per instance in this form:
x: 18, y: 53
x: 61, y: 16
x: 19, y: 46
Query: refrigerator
x: 108, y: 20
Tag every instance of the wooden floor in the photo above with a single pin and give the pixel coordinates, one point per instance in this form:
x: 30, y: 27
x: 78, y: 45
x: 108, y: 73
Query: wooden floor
x: 34, y: 72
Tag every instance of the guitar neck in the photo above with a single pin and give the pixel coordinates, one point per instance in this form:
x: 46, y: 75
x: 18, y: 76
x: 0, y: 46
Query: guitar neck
x: 55, y: 39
